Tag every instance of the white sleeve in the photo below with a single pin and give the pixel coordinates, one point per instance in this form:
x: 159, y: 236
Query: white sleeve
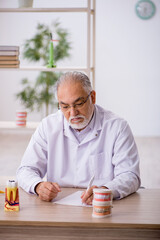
x: 34, y: 162
x: 126, y: 165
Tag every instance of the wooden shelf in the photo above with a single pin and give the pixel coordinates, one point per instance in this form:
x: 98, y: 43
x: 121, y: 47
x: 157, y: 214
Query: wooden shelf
x: 45, y: 10
x: 8, y: 125
x: 45, y: 69
x: 89, y: 11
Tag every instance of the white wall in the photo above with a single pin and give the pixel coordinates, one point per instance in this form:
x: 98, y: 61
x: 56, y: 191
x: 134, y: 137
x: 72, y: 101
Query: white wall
x: 128, y: 64
x: 127, y: 58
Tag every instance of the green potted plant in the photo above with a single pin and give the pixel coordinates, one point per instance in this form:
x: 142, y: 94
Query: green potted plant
x: 41, y: 92
x: 25, y: 3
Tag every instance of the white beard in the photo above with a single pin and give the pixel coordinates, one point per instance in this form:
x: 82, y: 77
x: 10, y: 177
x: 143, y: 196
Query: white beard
x: 79, y: 125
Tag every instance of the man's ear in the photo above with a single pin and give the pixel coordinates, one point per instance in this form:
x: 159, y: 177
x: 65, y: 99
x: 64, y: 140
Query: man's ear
x: 93, y: 97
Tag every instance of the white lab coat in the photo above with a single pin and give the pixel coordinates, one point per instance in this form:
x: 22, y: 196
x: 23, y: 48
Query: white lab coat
x: 108, y: 152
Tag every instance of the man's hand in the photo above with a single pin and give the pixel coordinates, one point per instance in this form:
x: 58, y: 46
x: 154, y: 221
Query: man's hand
x: 47, y: 190
x: 87, y: 196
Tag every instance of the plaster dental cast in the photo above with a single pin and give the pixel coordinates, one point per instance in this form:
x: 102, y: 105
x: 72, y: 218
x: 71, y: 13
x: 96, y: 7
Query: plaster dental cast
x: 77, y: 142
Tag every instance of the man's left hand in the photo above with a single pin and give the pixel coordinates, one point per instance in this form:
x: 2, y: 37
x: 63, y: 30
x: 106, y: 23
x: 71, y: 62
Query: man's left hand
x: 87, y: 196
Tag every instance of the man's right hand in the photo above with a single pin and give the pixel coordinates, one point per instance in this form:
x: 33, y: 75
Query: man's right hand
x: 47, y: 190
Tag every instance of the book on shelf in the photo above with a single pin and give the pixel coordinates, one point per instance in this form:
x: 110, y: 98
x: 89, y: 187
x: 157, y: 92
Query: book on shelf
x: 10, y: 66
x: 9, y: 62
x: 12, y: 58
x: 9, y: 53
x: 9, y: 48
x: 9, y: 57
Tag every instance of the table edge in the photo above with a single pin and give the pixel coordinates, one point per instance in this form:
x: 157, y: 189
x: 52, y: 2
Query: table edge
x: 80, y: 224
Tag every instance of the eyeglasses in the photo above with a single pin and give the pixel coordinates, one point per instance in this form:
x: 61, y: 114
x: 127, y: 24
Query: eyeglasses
x: 79, y: 104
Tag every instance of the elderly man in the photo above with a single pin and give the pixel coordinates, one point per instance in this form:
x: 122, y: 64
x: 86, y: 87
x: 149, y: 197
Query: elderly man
x: 79, y: 141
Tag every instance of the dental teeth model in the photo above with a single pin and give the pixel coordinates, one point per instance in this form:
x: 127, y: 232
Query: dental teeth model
x: 11, y: 196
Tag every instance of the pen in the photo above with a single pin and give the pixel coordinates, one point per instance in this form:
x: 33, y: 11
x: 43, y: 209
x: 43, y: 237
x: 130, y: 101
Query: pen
x: 89, y: 185
x: 90, y: 182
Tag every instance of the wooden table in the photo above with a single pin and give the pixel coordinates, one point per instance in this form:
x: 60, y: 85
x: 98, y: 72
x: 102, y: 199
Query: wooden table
x: 134, y: 217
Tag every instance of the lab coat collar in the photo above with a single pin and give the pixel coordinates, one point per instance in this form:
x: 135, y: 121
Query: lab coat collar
x: 68, y: 132
x: 95, y: 126
x: 98, y: 118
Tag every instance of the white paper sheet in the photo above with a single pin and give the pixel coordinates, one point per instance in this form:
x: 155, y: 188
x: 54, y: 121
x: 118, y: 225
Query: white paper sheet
x: 73, y: 199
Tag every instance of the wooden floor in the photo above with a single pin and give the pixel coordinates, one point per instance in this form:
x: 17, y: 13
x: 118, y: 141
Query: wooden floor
x: 13, y: 143
x: 12, y: 146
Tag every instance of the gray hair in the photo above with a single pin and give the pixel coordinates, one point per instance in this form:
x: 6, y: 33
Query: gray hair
x: 76, y: 77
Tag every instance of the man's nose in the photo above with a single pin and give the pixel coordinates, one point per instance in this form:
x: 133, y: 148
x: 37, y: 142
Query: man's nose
x: 73, y: 111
